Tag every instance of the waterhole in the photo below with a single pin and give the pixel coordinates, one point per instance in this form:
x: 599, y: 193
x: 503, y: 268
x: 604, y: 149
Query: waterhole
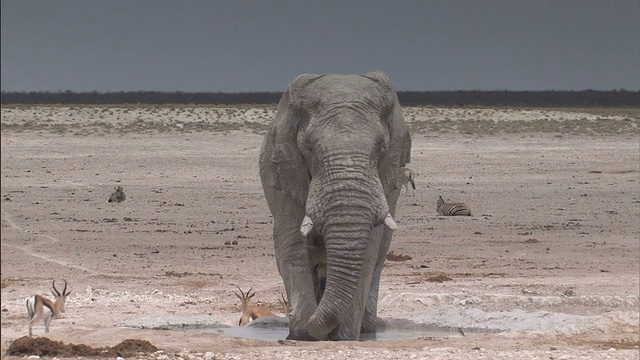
x: 278, y: 329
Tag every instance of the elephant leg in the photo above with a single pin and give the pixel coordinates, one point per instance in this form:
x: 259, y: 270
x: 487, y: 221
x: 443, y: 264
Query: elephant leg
x: 371, y: 310
x: 296, y: 269
x: 370, y: 318
x: 379, y: 254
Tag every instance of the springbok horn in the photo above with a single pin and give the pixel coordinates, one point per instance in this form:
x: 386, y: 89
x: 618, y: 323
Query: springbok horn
x: 391, y: 224
x: 241, y: 293
x: 65, y: 287
x: 307, y: 225
x: 54, y: 288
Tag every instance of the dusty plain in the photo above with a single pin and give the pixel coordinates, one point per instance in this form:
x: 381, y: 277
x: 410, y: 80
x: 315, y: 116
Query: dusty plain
x: 551, y: 255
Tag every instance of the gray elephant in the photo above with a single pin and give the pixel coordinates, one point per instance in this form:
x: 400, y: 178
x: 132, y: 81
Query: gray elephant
x: 331, y: 167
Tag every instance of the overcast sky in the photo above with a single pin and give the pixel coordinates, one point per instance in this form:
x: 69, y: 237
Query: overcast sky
x: 261, y: 45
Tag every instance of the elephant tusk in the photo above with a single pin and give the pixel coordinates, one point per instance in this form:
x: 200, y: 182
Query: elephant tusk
x: 391, y: 224
x: 307, y: 225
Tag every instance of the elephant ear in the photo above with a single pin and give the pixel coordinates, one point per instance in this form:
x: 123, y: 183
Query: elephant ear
x: 379, y: 77
x: 399, y: 150
x: 288, y: 170
x: 386, y: 88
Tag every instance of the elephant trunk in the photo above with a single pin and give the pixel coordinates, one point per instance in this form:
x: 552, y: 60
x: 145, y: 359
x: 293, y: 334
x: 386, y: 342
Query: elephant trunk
x: 346, y: 238
x: 345, y: 202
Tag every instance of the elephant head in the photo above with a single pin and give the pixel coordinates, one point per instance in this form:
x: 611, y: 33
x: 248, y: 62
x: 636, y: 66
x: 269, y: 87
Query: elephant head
x: 331, y: 168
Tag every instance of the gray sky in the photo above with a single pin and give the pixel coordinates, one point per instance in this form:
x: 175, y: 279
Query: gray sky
x: 261, y: 45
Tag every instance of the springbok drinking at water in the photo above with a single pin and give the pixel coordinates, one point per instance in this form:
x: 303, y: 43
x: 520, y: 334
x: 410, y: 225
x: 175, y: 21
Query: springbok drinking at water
x: 250, y: 313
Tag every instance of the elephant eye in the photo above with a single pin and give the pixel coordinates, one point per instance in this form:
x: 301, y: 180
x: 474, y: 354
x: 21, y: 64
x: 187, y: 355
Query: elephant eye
x: 303, y: 145
x: 381, y: 146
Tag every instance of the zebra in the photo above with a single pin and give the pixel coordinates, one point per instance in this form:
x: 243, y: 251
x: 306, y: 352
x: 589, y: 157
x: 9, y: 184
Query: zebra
x: 407, y: 178
x: 117, y: 196
x: 452, y: 209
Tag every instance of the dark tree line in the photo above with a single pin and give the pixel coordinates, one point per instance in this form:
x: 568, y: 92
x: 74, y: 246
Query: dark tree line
x: 588, y: 98
x: 138, y: 97
x: 613, y: 98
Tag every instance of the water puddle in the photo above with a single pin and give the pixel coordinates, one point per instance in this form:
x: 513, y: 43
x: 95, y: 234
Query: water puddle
x: 280, y: 333
x: 278, y: 329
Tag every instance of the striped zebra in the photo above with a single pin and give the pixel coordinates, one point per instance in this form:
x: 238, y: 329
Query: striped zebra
x: 453, y: 208
x: 407, y: 178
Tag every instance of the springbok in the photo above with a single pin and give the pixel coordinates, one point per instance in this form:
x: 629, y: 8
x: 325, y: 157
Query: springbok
x: 39, y: 306
x: 285, y: 306
x: 250, y: 313
x: 407, y: 178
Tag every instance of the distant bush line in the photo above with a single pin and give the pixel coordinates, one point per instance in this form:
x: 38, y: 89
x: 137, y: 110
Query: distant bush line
x: 586, y: 98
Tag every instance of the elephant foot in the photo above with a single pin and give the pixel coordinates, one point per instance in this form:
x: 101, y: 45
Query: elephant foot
x: 369, y: 326
x: 367, y: 331
x: 345, y: 333
x: 317, y: 333
x: 302, y: 335
x: 341, y: 336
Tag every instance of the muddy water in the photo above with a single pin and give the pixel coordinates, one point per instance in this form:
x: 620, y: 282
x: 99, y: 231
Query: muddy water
x: 278, y: 329
x: 280, y: 333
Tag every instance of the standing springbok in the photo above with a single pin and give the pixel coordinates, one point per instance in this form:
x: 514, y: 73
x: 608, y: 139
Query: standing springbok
x: 250, y: 313
x: 407, y: 178
x: 39, y: 306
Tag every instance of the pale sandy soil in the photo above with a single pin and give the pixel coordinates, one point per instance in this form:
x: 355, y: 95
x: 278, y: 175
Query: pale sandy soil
x: 551, y: 255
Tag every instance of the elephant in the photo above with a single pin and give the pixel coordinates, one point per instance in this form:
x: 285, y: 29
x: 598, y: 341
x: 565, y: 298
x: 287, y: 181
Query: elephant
x: 331, y: 167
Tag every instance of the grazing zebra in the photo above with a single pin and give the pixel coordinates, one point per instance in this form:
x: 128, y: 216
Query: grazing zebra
x: 407, y: 178
x: 453, y: 208
x: 117, y: 196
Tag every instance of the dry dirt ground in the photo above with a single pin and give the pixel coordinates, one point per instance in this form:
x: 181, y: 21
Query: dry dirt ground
x: 550, y: 257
